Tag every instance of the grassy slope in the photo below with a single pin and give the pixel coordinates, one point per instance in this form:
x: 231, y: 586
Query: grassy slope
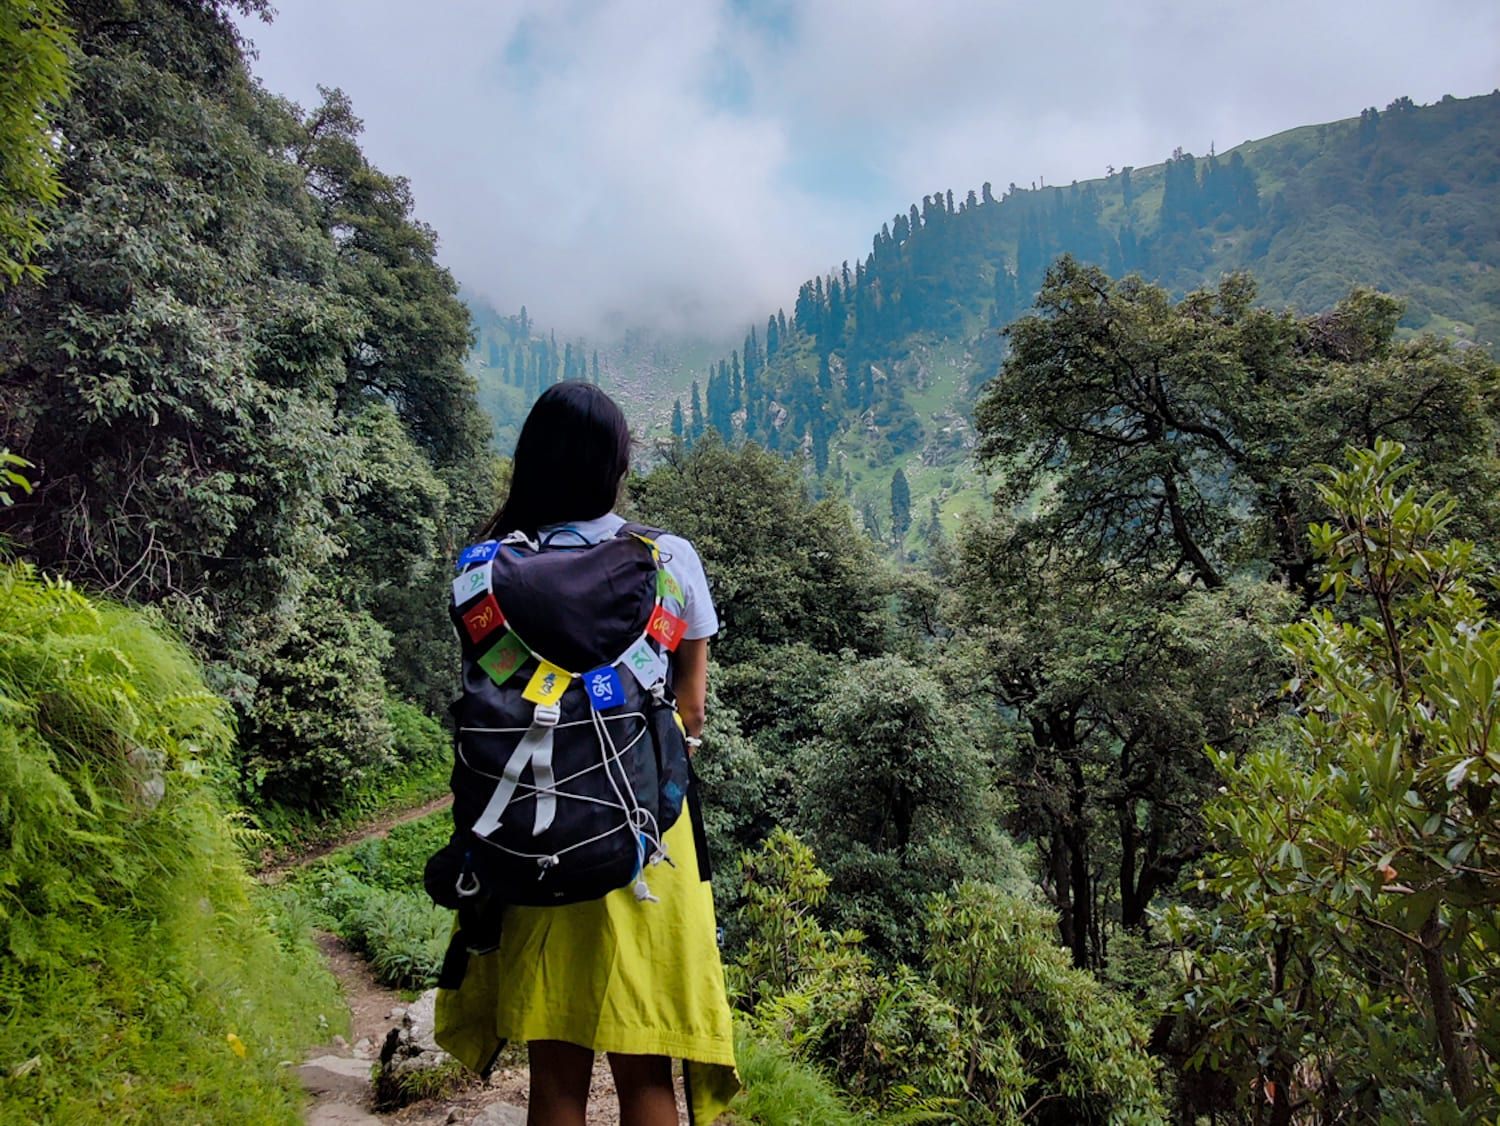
x: 143, y: 978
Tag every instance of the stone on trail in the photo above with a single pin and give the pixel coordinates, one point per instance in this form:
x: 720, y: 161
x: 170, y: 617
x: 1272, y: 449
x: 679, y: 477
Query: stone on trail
x: 342, y: 1114
x: 421, y: 1019
x: 412, y: 1066
x: 500, y: 1114
x: 336, y: 1075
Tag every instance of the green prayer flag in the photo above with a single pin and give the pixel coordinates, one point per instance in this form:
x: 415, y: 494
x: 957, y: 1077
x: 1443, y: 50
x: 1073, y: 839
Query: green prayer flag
x: 667, y: 586
x: 508, y: 654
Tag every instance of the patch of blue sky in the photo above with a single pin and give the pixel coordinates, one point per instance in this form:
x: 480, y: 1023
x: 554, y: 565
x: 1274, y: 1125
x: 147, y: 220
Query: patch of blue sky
x: 519, y: 66
x: 727, y: 85
x: 839, y: 170
x: 773, y: 20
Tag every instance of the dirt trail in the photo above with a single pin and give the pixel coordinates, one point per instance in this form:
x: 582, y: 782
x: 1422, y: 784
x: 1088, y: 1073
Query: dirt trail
x: 375, y: 1010
x: 372, y: 1006
x: 273, y: 872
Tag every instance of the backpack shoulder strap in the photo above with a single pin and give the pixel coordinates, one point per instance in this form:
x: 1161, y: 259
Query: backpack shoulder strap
x: 639, y: 531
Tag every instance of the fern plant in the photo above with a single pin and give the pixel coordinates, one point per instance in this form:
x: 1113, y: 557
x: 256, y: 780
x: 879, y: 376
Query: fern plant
x: 139, y: 980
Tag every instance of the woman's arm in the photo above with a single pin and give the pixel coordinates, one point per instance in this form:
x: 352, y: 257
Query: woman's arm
x: 690, y: 683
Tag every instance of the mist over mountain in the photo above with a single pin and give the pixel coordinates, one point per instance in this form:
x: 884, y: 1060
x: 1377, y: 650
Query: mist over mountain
x: 874, y: 366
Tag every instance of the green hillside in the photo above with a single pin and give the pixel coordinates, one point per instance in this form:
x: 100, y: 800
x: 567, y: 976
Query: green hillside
x: 513, y: 359
x: 877, y: 366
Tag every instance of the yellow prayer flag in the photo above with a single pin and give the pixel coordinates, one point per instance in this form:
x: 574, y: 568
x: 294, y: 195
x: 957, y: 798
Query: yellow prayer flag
x: 547, y: 684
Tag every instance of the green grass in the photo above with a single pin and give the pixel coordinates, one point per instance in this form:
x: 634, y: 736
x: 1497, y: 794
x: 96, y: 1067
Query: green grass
x: 144, y: 978
x: 782, y: 1091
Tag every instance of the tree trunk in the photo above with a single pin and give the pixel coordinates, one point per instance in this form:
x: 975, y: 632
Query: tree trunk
x: 1062, y: 893
x: 1444, y: 1011
x: 1077, y: 836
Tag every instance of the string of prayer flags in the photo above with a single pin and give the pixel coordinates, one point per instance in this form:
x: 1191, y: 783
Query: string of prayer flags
x: 668, y: 587
x: 604, y: 688
x: 504, y: 658
x: 484, y: 619
x: 645, y: 664
x: 666, y: 627
x: 478, y: 553
x: 547, y: 684
x: 471, y: 584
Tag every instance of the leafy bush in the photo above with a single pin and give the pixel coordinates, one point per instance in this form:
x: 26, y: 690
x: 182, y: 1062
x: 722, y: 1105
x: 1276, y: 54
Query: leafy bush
x: 997, y: 1027
x: 416, y: 738
x: 140, y: 980
x: 403, y: 935
x: 1353, y: 964
x: 317, y: 727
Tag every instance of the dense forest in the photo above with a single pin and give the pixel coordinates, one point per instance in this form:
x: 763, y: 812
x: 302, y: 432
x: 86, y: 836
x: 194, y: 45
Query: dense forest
x: 1160, y: 791
x: 874, y: 369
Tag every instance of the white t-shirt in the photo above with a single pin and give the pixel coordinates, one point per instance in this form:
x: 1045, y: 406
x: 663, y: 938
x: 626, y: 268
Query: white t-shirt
x: 678, y: 558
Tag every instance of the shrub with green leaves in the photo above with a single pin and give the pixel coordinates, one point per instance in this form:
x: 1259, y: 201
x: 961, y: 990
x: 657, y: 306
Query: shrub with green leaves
x: 317, y: 727
x: 140, y: 980
x: 996, y: 1027
x: 1353, y: 966
x: 371, y: 895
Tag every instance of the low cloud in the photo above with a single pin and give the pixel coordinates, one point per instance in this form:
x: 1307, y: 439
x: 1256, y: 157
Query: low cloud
x: 617, y: 163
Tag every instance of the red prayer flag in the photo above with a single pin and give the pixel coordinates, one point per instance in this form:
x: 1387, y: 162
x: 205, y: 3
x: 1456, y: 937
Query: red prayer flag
x: 484, y: 619
x: 666, y: 627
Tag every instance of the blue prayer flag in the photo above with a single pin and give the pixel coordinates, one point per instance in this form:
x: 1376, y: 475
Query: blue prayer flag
x: 604, y: 688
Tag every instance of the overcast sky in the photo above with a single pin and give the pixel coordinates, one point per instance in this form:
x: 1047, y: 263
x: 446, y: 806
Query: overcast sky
x: 686, y: 163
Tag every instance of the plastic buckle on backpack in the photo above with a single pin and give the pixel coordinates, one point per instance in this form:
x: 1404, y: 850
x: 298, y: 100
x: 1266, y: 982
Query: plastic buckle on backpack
x: 466, y: 890
x: 546, y: 715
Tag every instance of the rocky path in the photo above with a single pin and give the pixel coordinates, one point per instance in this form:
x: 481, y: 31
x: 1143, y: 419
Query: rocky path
x: 340, y: 1076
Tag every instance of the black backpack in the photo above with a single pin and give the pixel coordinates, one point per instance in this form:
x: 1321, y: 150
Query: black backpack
x: 569, y: 757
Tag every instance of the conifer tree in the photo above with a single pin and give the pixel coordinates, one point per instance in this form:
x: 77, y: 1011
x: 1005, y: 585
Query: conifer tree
x: 696, y: 418
x: 900, y: 506
x: 677, y: 418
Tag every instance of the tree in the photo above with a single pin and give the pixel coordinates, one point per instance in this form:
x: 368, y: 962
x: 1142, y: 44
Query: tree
x: 245, y: 364
x: 34, y: 80
x: 1098, y: 695
x: 896, y: 793
x: 695, y: 422
x: 677, y: 426
x: 781, y: 567
x: 900, y: 507
x: 1180, y: 438
x: 1359, y: 869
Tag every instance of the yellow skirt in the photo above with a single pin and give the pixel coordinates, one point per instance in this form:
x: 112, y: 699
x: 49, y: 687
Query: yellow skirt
x: 614, y: 975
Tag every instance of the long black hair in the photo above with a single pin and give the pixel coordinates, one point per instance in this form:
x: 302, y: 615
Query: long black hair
x: 571, y: 456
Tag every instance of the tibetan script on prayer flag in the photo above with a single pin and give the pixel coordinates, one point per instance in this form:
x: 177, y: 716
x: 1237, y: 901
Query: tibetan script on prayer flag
x: 547, y: 684
x: 505, y: 658
x: 666, y: 627
x: 668, y: 587
x: 604, y: 688
x: 645, y: 664
x: 478, y: 553
x: 471, y: 584
x: 484, y: 619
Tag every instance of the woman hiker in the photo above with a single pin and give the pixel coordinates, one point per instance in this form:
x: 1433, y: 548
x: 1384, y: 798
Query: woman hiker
x: 638, y: 980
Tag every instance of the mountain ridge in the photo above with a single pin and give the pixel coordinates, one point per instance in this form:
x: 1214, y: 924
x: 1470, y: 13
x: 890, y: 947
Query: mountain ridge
x: 874, y: 367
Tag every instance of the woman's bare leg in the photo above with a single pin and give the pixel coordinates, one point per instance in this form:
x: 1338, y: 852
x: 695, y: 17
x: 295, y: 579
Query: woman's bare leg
x: 560, y: 1074
x: 644, y: 1084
